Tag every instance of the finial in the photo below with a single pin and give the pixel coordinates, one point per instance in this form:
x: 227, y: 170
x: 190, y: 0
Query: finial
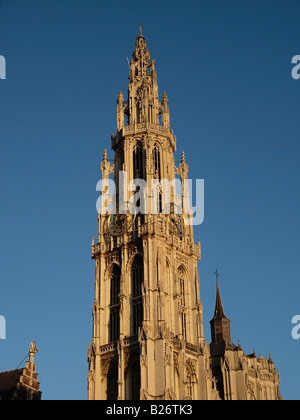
x: 120, y: 98
x: 140, y: 28
x: 32, y: 351
x: 105, y: 158
x: 165, y: 99
x: 239, y: 346
x: 93, y: 241
x: 183, y: 157
x: 33, y: 347
x: 217, y: 276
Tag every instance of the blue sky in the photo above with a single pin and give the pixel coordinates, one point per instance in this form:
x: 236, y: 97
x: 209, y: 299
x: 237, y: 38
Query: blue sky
x: 226, y: 67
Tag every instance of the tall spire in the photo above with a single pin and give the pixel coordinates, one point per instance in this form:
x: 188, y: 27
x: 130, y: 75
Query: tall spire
x: 220, y: 324
x: 143, y: 105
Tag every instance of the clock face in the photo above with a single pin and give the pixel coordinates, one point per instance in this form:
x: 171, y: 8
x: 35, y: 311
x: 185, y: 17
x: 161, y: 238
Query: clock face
x: 118, y: 224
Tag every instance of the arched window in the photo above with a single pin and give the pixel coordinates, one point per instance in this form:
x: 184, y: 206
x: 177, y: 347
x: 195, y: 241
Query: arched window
x: 156, y: 162
x: 191, y: 380
x: 114, y: 321
x: 169, y: 300
x: 182, y: 291
x: 139, y: 168
x: 137, y: 280
x: 133, y: 379
x: 189, y: 386
x: 112, y: 381
x: 181, y: 278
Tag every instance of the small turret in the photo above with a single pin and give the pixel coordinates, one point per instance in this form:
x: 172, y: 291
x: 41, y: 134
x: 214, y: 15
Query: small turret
x: 120, y: 111
x: 165, y: 111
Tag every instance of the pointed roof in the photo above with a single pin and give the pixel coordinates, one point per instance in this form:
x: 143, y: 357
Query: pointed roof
x: 219, y: 310
x: 220, y: 324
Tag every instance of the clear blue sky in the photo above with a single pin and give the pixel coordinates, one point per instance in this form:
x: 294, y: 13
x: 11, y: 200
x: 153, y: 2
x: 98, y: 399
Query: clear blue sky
x: 226, y: 67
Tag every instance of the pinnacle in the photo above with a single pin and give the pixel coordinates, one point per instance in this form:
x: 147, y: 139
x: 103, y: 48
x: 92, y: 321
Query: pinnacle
x: 105, y: 158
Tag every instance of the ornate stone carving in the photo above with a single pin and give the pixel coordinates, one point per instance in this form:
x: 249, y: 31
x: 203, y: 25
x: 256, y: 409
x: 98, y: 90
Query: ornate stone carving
x: 105, y: 365
x: 144, y: 395
x: 191, y: 366
x: 251, y: 390
x: 143, y: 360
x: 168, y: 360
x: 176, y: 363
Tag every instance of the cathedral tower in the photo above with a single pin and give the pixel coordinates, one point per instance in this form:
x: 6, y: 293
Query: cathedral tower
x: 148, y: 328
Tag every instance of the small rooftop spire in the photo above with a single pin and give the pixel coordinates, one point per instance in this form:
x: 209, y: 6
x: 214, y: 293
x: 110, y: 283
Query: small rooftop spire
x: 220, y: 324
x: 219, y: 310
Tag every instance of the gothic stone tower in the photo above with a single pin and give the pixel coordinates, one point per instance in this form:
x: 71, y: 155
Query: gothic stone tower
x: 148, y: 329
